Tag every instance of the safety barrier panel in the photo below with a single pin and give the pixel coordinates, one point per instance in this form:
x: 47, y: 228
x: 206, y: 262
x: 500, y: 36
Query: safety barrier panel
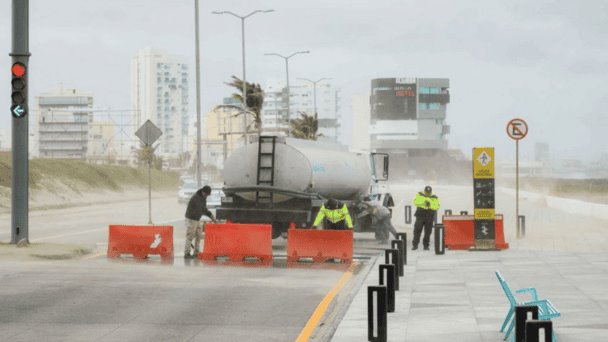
x: 140, y: 241
x: 319, y: 245
x: 237, y: 242
x: 459, y: 232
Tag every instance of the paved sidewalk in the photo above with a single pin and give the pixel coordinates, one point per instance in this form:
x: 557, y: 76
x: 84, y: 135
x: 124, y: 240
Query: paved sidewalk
x: 456, y: 296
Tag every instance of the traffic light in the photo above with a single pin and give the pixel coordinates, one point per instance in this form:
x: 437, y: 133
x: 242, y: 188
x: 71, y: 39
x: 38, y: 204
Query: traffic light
x: 19, y: 90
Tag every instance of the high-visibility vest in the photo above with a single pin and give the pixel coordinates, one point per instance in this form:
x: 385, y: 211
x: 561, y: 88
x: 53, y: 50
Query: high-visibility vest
x: 334, y: 215
x: 421, y: 199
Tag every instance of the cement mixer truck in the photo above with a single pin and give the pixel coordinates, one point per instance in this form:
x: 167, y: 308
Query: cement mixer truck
x: 283, y: 181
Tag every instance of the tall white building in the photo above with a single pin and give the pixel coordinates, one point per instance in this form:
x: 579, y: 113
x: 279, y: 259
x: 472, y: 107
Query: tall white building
x: 302, y: 100
x: 159, y: 92
x: 64, y: 118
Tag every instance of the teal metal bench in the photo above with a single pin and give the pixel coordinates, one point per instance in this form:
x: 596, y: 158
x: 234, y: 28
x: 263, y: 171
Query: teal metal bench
x: 546, y: 309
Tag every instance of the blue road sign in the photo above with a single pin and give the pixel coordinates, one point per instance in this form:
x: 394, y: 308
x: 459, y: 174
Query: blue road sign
x: 18, y: 111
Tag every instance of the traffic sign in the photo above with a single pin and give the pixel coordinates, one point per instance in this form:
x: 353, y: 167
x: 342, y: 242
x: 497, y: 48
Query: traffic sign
x: 148, y: 133
x: 18, y: 111
x: 517, y: 129
x: 483, y: 162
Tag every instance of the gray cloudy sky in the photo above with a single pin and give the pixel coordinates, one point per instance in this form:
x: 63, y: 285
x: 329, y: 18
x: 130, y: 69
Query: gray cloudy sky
x: 544, y: 61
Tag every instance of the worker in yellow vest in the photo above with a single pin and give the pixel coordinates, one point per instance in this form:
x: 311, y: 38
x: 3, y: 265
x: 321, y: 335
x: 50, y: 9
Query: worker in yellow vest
x: 427, y: 205
x: 334, y: 215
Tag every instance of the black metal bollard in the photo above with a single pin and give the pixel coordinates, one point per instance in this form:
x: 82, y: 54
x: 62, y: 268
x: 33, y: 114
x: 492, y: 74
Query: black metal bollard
x: 390, y: 285
x: 403, y: 237
x: 391, y: 256
x: 439, y: 239
x: 521, y: 316
x: 522, y: 224
x: 464, y: 212
x: 447, y: 212
x: 398, y: 245
x: 408, y: 214
x: 381, y: 313
x: 533, y: 329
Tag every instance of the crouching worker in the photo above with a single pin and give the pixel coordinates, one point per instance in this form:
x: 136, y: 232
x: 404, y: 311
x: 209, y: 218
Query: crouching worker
x: 380, y: 220
x: 197, y: 207
x: 334, y: 215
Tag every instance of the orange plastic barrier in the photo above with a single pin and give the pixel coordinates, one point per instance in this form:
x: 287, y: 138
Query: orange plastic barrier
x: 140, y: 241
x: 460, y: 231
x: 320, y: 245
x: 237, y: 242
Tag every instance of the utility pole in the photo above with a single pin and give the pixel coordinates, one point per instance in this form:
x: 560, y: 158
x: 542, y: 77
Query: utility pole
x: 20, y: 129
x: 198, y: 98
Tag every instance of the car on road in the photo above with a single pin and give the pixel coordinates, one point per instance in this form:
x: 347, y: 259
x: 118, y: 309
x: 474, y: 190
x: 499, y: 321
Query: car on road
x: 186, y: 191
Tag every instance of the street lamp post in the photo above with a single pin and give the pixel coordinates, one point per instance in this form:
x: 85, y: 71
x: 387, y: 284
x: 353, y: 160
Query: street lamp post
x: 314, y: 91
x: 198, y: 98
x: 243, y: 55
x: 286, y: 58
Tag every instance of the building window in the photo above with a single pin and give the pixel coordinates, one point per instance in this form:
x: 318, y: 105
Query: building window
x: 430, y: 90
x: 430, y: 106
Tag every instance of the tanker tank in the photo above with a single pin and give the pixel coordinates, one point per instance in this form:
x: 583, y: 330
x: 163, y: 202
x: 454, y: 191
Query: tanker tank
x: 302, y: 166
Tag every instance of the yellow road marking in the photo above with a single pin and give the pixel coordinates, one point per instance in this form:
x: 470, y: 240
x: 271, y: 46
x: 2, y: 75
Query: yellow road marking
x: 320, y: 310
x: 93, y: 256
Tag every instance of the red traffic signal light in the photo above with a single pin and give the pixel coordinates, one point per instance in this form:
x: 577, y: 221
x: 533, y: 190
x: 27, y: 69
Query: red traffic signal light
x: 18, y: 69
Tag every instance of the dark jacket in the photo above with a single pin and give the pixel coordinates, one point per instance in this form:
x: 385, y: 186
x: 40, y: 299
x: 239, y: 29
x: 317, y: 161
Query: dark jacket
x: 197, y: 207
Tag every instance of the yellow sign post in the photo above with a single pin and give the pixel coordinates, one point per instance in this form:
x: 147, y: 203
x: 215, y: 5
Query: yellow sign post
x: 483, y: 197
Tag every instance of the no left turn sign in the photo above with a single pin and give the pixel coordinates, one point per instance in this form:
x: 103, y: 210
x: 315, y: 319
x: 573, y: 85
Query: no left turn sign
x: 517, y: 129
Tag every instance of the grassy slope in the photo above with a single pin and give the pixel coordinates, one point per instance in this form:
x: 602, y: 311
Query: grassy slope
x: 80, y: 176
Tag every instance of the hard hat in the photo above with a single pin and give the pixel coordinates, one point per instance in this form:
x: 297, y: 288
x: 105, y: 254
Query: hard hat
x: 428, y: 188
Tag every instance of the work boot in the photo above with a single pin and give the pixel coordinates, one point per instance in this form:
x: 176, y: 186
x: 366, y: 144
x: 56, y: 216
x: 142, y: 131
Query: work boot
x: 414, y: 248
x: 426, y: 248
x: 188, y: 256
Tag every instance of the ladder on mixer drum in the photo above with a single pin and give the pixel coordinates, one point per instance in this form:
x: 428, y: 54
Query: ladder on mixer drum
x: 266, y: 149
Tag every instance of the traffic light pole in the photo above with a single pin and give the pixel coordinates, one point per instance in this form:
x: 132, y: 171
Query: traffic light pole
x: 19, y: 190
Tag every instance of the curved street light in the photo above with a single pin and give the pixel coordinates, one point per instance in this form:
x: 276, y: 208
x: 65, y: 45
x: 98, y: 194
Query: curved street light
x: 286, y: 58
x: 242, y: 18
x: 314, y: 84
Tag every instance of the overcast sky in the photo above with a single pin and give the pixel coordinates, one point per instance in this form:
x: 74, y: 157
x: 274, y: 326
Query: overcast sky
x: 543, y: 61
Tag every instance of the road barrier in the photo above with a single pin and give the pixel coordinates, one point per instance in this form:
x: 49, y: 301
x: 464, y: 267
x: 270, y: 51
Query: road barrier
x: 390, y: 285
x: 319, y: 245
x: 379, y: 321
x: 391, y: 256
x: 403, y: 237
x: 439, y: 239
x: 459, y: 232
x: 400, y: 246
x: 533, y: 329
x: 238, y: 242
x: 521, y: 316
x: 408, y: 214
x: 140, y: 241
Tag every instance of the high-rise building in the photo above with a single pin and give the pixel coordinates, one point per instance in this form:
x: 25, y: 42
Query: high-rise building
x: 64, y: 118
x: 222, y: 133
x: 408, y: 114
x: 159, y: 92
x: 302, y: 100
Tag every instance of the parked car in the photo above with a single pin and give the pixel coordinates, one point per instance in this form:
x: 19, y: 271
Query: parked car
x: 186, y: 191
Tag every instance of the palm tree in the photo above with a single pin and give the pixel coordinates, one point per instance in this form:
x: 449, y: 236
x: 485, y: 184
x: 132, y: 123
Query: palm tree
x: 305, y: 127
x: 255, y: 101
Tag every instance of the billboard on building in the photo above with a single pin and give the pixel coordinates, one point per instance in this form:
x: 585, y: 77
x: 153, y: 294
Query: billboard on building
x: 393, y: 99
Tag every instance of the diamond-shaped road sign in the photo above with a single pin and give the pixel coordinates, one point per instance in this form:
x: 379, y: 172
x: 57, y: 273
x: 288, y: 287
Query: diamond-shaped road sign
x: 148, y: 133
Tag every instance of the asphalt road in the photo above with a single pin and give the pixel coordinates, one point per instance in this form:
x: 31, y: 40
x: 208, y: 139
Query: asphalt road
x: 96, y: 299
